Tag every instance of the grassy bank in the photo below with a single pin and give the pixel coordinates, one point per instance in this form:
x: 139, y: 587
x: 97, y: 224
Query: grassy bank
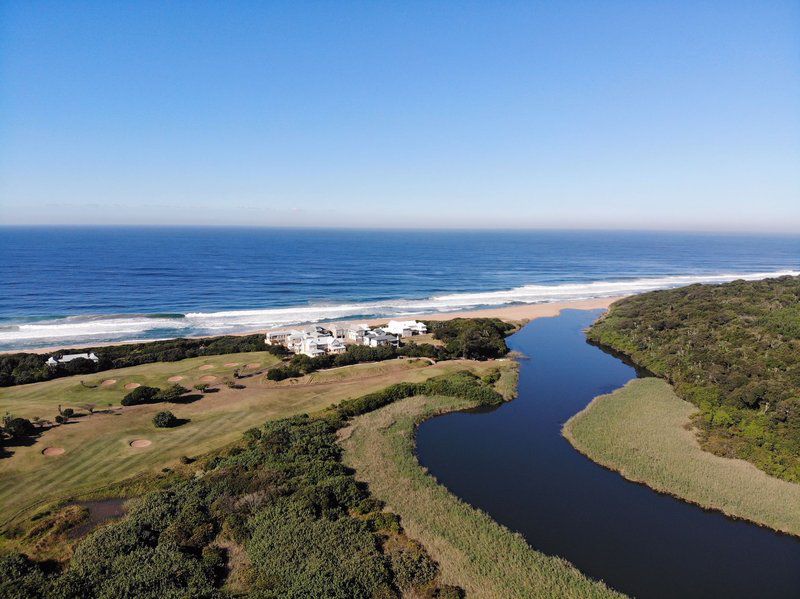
x: 643, y: 431
x: 473, y: 551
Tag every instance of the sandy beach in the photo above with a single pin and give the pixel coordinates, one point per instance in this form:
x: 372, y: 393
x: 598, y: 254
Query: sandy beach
x: 517, y: 313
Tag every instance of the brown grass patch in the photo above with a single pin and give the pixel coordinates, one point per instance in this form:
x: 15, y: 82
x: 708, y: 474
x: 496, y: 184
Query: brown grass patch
x: 53, y: 451
x: 253, y: 365
x: 139, y: 443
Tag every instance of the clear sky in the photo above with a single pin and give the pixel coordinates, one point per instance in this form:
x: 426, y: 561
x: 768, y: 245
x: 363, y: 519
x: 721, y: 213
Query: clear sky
x: 631, y: 114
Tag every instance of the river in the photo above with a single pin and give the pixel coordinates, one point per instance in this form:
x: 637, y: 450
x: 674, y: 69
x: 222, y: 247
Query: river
x: 513, y: 463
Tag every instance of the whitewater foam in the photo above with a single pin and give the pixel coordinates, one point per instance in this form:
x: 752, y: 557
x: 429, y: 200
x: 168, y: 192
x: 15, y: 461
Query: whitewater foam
x: 86, y: 329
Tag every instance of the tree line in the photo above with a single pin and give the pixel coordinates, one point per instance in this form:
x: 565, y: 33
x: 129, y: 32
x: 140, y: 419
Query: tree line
x: 24, y: 368
x: 733, y: 350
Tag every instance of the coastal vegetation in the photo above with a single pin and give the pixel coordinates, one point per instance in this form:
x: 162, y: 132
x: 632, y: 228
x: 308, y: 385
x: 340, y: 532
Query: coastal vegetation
x: 23, y: 368
x: 643, y: 430
x: 276, y: 514
x: 472, y: 338
x: 472, y: 550
x: 733, y: 350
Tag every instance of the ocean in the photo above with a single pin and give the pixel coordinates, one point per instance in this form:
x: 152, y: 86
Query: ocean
x: 87, y: 285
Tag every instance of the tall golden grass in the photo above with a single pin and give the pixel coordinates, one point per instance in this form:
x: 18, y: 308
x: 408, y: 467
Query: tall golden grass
x: 643, y: 431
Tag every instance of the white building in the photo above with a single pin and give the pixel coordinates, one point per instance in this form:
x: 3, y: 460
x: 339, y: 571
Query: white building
x: 356, y: 332
x: 406, y: 328
x: 52, y: 361
x: 277, y: 337
x: 379, y: 338
x: 317, y: 346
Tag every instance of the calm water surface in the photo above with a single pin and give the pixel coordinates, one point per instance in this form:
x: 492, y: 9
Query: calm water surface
x: 513, y: 463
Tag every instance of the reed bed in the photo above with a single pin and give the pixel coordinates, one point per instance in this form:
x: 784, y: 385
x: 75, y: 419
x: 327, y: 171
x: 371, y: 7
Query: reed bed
x: 643, y: 431
x: 473, y: 551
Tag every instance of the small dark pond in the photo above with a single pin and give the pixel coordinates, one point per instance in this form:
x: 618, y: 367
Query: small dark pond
x: 100, y: 511
x: 513, y: 463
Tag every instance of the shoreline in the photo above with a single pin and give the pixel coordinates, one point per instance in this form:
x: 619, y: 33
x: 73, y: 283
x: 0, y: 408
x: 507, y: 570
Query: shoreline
x: 682, y: 487
x: 517, y: 313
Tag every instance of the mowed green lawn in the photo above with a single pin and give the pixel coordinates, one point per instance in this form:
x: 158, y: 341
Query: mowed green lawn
x: 643, y: 431
x: 97, y: 449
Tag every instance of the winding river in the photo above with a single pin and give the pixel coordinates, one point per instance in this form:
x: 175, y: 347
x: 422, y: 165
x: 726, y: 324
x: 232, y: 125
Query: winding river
x: 513, y: 463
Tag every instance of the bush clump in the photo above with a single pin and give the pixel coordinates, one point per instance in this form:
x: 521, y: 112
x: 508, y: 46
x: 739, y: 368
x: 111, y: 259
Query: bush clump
x: 141, y: 395
x: 165, y: 419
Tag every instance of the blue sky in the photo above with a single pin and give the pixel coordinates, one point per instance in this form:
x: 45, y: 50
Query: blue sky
x: 681, y: 115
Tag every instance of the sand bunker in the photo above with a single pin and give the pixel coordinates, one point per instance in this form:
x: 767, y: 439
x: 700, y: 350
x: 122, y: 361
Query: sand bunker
x: 139, y: 443
x: 108, y: 382
x: 209, y: 378
x: 51, y: 451
x: 207, y: 367
x: 231, y: 364
x: 175, y: 379
x: 132, y: 385
x: 254, y: 365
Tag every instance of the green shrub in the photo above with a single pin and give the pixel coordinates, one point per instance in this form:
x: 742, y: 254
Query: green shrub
x: 165, y: 419
x: 170, y: 394
x: 141, y: 395
x: 412, y: 567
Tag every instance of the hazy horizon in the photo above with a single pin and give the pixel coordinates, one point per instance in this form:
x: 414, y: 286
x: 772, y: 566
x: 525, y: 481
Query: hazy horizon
x: 578, y: 115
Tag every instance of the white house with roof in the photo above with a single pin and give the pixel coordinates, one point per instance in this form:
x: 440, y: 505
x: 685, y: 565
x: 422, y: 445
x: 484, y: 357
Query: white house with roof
x: 53, y: 361
x: 356, y: 332
x: 277, y: 337
x: 406, y: 328
x: 380, y: 338
x: 317, y: 346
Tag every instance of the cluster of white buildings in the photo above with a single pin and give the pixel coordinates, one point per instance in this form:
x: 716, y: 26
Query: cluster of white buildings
x: 53, y: 361
x: 317, y: 340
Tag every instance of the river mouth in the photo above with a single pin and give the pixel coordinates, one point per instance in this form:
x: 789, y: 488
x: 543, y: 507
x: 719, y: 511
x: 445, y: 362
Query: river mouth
x: 513, y: 463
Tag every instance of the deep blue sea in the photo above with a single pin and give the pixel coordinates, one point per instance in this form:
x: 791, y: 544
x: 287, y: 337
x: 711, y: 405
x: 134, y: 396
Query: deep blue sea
x: 68, y: 286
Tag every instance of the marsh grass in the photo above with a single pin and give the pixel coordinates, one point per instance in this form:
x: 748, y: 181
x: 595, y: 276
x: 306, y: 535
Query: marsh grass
x: 643, y: 431
x: 473, y: 551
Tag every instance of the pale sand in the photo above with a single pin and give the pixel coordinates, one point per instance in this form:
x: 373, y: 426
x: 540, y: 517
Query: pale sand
x: 209, y: 378
x: 139, y: 443
x: 253, y: 365
x: 108, y: 382
x: 53, y: 451
x: 206, y: 367
x: 231, y: 364
x: 512, y: 313
x: 174, y: 379
x: 132, y: 386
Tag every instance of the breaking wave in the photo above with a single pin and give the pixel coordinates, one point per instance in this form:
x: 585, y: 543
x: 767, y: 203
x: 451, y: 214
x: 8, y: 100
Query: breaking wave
x: 103, y: 328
